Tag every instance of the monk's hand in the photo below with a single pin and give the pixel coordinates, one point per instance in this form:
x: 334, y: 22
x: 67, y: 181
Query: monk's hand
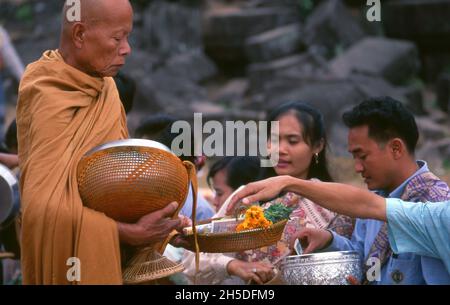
x: 312, y: 239
x: 258, y: 272
x: 258, y: 191
x: 179, y: 240
x: 151, y: 228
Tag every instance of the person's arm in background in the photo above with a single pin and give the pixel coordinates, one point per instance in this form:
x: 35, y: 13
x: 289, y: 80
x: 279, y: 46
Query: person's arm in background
x: 9, y: 160
x: 10, y: 57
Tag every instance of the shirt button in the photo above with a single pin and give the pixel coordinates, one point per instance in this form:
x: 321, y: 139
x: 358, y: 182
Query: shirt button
x: 397, y: 276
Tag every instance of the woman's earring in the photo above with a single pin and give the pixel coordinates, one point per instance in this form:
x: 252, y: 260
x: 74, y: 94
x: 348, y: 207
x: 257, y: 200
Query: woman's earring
x: 317, y: 158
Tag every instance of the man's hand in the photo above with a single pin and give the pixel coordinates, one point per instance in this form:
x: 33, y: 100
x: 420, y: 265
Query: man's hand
x: 257, y: 191
x: 312, y: 239
x: 259, y: 272
x: 151, y: 228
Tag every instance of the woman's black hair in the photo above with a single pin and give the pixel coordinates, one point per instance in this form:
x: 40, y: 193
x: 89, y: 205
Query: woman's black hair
x: 239, y: 170
x: 313, y: 133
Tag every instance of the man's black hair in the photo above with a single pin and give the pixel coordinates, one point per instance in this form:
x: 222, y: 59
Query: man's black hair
x: 386, y: 118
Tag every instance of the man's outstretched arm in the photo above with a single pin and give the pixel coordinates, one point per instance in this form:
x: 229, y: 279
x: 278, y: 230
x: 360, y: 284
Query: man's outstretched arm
x: 341, y: 198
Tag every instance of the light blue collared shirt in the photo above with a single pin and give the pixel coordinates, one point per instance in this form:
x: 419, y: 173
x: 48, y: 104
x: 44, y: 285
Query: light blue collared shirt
x: 415, y: 269
x: 422, y: 228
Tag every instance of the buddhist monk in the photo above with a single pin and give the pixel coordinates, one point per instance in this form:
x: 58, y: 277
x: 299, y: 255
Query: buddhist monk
x: 68, y: 103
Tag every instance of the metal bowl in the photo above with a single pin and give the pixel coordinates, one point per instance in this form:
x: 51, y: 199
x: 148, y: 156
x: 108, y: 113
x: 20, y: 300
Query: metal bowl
x: 327, y: 268
x: 9, y: 198
x: 128, y: 179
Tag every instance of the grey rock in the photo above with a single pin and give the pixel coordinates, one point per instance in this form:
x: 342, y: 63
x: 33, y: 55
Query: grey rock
x: 443, y: 92
x: 295, y: 67
x: 435, y: 63
x: 232, y: 93
x: 331, y: 25
x: 419, y: 20
x: 226, y: 32
x: 429, y: 130
x: 163, y: 92
x: 172, y: 28
x: 276, y: 43
x: 435, y: 152
x: 413, y: 99
x: 372, y: 86
x: 193, y: 65
x: 394, y: 60
x: 141, y: 63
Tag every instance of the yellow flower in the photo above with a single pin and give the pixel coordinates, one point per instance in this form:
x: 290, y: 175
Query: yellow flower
x: 254, y: 218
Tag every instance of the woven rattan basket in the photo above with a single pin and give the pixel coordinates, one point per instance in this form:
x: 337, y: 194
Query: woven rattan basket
x: 238, y: 241
x: 129, y: 179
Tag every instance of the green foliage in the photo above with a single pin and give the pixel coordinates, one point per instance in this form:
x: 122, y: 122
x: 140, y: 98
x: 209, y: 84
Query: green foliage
x: 24, y: 13
x: 446, y: 164
x: 277, y: 212
x: 416, y: 83
x: 305, y: 7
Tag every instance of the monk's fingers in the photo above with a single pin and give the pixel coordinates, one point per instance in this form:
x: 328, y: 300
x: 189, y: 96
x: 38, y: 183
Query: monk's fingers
x: 167, y: 211
x: 185, y: 222
x: 172, y: 224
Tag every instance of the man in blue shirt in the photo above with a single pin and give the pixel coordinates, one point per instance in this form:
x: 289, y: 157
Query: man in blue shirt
x: 420, y: 228
x: 382, y: 139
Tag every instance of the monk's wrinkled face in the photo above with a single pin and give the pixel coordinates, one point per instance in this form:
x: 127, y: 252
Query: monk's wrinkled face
x: 105, y: 43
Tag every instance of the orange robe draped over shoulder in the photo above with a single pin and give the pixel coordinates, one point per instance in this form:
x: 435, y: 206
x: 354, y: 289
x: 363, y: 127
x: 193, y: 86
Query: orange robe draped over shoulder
x: 61, y: 114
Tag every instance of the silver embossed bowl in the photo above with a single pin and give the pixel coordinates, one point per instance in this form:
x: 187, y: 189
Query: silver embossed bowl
x: 327, y: 268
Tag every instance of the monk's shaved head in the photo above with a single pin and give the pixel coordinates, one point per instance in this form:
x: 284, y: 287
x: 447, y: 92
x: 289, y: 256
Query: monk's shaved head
x: 92, y: 11
x: 94, y: 35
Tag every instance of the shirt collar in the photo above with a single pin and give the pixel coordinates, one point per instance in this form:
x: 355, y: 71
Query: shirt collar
x: 423, y: 168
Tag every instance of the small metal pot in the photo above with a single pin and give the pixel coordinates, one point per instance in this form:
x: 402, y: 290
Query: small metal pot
x: 9, y: 196
x: 327, y: 268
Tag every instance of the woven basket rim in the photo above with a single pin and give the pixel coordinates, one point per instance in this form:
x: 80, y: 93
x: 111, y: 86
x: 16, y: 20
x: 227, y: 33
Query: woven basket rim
x: 228, y: 234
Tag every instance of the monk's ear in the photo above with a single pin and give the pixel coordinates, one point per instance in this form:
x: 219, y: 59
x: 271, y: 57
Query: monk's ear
x: 78, y: 34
